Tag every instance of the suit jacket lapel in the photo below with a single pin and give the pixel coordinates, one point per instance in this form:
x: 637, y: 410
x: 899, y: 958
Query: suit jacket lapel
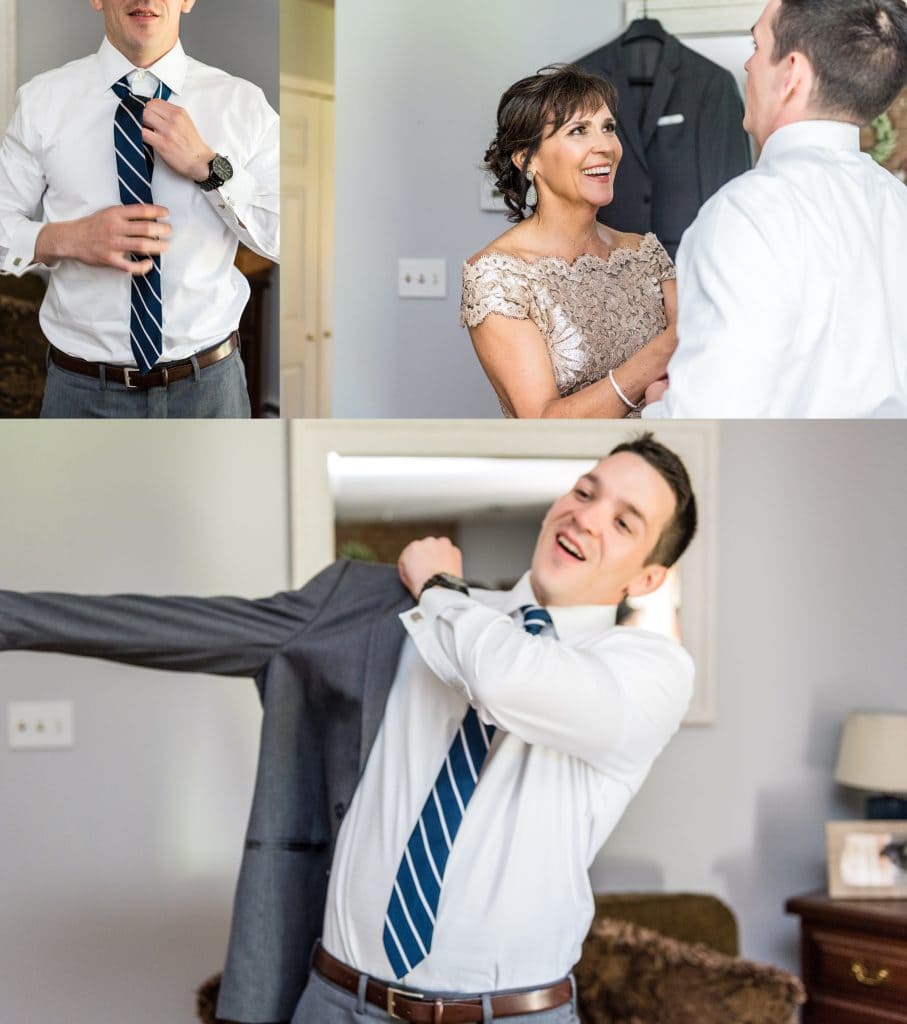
x: 628, y: 116
x: 382, y: 657
x: 662, y: 88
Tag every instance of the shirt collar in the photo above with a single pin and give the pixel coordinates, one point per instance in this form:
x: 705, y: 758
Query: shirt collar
x: 571, y: 622
x: 811, y: 135
x: 170, y: 69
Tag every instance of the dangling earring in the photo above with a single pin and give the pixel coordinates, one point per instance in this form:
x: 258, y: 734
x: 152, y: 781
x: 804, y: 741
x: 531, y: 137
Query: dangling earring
x: 532, y: 195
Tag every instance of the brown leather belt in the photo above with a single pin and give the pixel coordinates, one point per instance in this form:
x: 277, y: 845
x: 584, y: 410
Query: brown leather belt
x: 162, y: 375
x: 401, y: 1004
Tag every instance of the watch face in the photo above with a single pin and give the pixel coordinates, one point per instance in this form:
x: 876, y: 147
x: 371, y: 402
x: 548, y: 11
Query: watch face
x: 221, y: 168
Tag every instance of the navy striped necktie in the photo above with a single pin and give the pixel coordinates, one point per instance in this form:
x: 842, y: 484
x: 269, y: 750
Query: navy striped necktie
x: 409, y: 923
x: 135, y: 165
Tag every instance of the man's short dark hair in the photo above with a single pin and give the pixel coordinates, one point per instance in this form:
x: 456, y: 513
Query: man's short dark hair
x: 678, y: 533
x: 857, y: 49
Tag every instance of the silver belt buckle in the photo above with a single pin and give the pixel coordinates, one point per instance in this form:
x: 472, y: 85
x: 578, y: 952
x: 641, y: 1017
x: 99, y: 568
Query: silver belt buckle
x: 127, y: 373
x: 391, y: 995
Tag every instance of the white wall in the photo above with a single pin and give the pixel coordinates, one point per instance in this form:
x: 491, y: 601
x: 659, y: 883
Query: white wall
x: 307, y: 39
x: 117, y: 884
x: 120, y: 856
x: 417, y: 89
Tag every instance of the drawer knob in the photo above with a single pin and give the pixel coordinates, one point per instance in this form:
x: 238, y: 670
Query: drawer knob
x: 868, y: 975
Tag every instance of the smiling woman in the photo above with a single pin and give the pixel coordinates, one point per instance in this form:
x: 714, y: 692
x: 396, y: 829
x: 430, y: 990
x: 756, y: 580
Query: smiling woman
x: 568, y: 317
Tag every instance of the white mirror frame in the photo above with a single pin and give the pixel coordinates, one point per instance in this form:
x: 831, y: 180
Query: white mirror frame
x: 9, y: 65
x: 698, y: 17
x: 312, y: 512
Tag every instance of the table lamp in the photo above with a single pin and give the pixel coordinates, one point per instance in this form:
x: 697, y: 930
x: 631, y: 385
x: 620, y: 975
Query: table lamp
x: 873, y: 756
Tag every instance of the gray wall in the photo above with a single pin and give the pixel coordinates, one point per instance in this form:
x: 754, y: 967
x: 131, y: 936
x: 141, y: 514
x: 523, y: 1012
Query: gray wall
x: 417, y: 89
x: 120, y: 856
x: 117, y: 886
x: 236, y: 35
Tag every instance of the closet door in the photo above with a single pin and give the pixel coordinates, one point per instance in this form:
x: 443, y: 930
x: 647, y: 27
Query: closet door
x: 307, y: 243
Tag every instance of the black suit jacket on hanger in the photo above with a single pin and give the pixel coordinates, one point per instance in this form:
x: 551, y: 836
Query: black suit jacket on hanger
x: 669, y: 169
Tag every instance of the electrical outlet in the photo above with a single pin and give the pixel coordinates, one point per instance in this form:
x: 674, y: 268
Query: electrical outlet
x: 422, y: 279
x: 40, y: 725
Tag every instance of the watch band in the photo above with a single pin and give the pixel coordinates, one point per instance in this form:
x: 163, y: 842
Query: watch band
x: 446, y: 580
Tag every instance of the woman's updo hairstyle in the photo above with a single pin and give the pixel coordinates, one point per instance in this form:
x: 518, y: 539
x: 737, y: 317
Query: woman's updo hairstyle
x: 530, y: 111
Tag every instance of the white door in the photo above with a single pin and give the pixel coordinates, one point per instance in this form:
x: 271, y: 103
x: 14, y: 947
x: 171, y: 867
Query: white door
x: 307, y: 122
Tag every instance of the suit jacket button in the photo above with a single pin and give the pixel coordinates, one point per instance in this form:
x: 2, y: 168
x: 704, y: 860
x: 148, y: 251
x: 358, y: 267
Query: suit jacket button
x: 647, y: 199
x: 339, y: 811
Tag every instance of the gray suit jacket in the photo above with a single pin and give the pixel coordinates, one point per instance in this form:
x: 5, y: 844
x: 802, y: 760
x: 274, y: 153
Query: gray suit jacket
x: 323, y: 659
x: 668, y: 171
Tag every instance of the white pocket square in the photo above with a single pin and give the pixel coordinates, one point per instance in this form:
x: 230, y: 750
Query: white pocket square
x: 670, y: 119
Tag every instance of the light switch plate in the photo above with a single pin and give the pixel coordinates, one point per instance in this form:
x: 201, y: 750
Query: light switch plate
x: 40, y: 725
x: 422, y: 279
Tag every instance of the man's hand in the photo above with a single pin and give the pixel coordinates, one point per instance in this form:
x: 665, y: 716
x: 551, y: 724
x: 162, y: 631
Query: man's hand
x: 422, y: 559
x: 172, y: 134
x: 656, y: 390
x: 106, y: 238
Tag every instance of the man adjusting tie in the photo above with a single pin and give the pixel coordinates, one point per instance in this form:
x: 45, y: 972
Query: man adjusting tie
x: 148, y: 168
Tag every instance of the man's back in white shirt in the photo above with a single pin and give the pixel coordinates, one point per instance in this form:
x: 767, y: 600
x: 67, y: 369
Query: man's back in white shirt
x: 792, y: 300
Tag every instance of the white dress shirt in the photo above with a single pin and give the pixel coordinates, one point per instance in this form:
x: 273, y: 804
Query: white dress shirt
x: 792, y: 287
x: 57, y: 163
x: 581, y: 716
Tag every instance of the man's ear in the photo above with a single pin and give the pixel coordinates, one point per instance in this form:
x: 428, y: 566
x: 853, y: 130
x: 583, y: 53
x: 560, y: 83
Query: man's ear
x: 798, y: 79
x: 649, y: 579
x: 187, y: 6
x: 97, y: 5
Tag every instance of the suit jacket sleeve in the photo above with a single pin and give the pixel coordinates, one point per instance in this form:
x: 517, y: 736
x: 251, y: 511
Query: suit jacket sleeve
x: 722, y: 145
x: 223, y: 635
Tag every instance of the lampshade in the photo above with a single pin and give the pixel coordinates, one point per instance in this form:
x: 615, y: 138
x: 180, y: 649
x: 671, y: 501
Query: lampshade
x: 873, y: 752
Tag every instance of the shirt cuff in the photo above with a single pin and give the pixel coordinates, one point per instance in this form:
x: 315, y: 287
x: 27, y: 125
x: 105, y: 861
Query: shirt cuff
x: 432, y: 603
x: 239, y: 191
x: 19, y: 258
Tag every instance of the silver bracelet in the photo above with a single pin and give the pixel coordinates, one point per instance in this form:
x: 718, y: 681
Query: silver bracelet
x: 620, y: 393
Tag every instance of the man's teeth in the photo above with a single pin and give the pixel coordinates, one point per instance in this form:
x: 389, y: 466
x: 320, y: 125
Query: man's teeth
x: 570, y: 548
x: 597, y: 172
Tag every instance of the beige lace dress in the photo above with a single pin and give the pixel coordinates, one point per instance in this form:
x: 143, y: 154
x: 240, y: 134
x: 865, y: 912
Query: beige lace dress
x: 594, y: 313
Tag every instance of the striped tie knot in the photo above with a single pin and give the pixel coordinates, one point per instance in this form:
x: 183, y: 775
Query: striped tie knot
x: 535, y: 619
x: 135, y: 166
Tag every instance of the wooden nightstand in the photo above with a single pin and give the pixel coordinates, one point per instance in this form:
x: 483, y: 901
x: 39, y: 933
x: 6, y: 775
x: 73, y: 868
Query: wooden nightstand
x: 854, y: 959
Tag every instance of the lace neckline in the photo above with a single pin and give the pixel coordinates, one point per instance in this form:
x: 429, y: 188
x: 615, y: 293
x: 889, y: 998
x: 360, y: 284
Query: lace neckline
x: 619, y: 254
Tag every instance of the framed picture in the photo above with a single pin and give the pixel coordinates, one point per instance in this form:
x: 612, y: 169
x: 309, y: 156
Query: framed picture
x: 867, y: 859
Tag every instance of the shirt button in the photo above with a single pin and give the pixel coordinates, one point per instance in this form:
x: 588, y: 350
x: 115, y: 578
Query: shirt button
x: 416, y: 617
x: 339, y: 810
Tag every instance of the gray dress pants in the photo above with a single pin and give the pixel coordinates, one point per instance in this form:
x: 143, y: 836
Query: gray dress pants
x: 323, y: 1002
x: 216, y: 392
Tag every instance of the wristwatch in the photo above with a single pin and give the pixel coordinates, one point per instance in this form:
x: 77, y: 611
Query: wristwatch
x: 220, y: 171
x: 446, y: 580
